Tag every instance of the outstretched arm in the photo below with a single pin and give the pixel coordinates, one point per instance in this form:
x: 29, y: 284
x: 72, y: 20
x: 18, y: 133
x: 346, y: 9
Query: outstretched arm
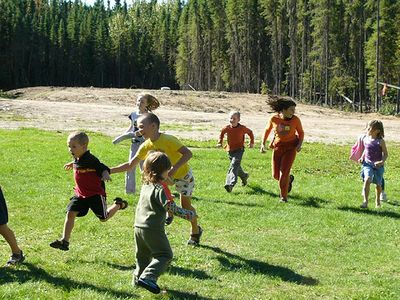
x: 180, y: 212
x: 126, y: 166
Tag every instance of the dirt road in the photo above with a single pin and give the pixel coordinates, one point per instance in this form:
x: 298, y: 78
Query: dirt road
x: 196, y: 115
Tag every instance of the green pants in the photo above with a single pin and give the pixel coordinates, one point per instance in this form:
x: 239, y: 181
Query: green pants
x: 153, y: 253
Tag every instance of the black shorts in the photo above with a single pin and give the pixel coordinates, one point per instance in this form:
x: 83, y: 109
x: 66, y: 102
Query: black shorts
x: 96, y: 203
x: 3, y: 209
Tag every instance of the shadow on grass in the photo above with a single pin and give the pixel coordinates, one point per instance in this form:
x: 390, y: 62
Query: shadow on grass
x: 33, y: 273
x: 184, y: 295
x: 378, y: 213
x: 121, y: 267
x: 315, y: 202
x: 198, y: 274
x: 246, y: 204
x: 255, y: 266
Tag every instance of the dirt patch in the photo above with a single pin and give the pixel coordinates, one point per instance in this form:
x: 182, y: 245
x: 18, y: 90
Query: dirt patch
x: 187, y: 114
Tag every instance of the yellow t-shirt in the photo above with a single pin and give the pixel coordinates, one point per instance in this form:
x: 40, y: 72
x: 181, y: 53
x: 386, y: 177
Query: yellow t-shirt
x: 169, y: 145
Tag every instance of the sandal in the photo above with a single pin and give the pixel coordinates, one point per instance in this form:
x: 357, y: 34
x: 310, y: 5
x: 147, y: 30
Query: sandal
x: 60, y: 244
x: 122, y: 203
x: 195, y: 237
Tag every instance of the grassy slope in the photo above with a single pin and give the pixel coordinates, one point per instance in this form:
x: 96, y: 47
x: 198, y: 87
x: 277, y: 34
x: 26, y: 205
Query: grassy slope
x: 319, y: 245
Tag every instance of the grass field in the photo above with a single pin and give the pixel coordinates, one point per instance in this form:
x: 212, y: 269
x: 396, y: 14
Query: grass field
x: 319, y: 245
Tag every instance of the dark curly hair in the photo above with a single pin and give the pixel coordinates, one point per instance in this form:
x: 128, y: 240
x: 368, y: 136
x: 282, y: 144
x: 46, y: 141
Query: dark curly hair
x: 279, y: 104
x: 154, y: 166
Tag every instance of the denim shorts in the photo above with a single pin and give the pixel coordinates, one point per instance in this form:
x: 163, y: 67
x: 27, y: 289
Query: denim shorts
x: 376, y: 174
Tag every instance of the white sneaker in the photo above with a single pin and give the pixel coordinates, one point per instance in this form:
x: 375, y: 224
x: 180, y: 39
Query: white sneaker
x: 383, y: 196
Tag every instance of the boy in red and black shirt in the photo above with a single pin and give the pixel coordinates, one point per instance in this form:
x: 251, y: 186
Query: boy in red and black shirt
x: 235, y: 147
x: 89, y: 176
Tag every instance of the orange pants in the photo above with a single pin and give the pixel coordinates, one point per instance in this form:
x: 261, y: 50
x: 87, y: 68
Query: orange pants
x: 282, y: 160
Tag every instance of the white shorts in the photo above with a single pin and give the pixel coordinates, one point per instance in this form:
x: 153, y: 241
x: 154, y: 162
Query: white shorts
x: 185, y: 185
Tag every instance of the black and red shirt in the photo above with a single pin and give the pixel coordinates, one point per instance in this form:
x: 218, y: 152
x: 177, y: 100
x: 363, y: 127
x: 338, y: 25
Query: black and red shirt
x: 87, y: 174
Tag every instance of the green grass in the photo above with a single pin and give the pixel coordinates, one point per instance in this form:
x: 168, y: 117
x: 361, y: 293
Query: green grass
x: 319, y: 245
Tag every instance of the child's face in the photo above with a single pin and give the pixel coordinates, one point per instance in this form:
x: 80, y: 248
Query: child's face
x: 76, y: 149
x: 289, y: 112
x: 234, y: 120
x: 373, y: 132
x: 141, y: 103
x: 146, y: 129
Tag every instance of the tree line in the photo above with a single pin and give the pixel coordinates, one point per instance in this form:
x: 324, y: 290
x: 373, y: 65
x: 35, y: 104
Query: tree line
x: 317, y: 51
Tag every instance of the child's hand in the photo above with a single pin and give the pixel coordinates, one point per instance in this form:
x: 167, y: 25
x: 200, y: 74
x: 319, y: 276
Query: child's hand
x: 251, y: 145
x: 68, y: 166
x: 361, y: 160
x: 219, y: 145
x: 262, y: 149
x: 105, y: 176
x: 379, y: 164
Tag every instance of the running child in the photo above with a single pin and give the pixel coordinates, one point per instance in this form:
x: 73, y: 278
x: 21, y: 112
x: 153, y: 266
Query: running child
x: 287, y: 141
x: 17, y: 256
x: 373, y: 160
x: 153, y: 251
x: 180, y: 173
x: 90, y: 193
x: 144, y: 103
x: 236, y: 133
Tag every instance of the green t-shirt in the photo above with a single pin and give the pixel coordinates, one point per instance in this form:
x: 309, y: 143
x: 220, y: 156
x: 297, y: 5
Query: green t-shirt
x: 150, y: 210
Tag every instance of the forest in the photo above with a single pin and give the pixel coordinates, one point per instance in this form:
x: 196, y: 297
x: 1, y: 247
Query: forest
x: 328, y: 52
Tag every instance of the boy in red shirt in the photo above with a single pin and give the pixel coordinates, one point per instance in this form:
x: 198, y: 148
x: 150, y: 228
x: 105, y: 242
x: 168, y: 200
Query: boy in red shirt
x: 235, y: 147
x: 89, y: 175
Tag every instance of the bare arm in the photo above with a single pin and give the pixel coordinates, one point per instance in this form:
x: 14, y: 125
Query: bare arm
x: 265, y: 137
x: 126, y: 166
x: 186, y: 155
x: 385, y: 155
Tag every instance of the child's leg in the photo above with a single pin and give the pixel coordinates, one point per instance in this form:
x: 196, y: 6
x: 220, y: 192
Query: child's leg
x: 286, y: 164
x: 235, y: 157
x: 111, y: 210
x: 9, y: 236
x: 276, y: 163
x: 186, y: 202
x: 367, y: 184
x: 378, y: 190
x: 130, y: 176
x: 160, y: 251
x: 143, y: 254
x: 69, y: 225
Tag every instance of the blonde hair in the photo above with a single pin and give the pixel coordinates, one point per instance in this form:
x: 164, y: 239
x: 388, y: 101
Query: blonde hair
x: 79, y: 136
x: 377, y: 125
x: 154, y: 166
x: 151, y: 102
x: 234, y: 112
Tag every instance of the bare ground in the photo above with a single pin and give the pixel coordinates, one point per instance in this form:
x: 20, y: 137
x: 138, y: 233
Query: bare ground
x: 188, y: 114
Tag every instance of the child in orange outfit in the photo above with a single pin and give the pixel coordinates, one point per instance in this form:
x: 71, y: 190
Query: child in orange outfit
x: 235, y: 135
x: 288, y: 138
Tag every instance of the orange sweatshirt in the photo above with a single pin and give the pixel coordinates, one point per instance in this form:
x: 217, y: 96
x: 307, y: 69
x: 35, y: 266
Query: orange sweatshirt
x: 235, y: 136
x: 284, y: 130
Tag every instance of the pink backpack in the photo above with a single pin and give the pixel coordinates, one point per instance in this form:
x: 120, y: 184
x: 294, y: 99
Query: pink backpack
x: 358, y: 149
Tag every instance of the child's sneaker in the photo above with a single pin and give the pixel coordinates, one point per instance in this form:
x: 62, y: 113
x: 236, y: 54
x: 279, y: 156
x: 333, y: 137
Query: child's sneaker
x: 122, y: 203
x: 169, y: 220
x: 364, y: 205
x: 60, y: 244
x: 383, y: 196
x: 245, y: 178
x: 228, y: 188
x: 195, y: 238
x: 16, y: 259
x: 283, y: 200
x: 149, y: 285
